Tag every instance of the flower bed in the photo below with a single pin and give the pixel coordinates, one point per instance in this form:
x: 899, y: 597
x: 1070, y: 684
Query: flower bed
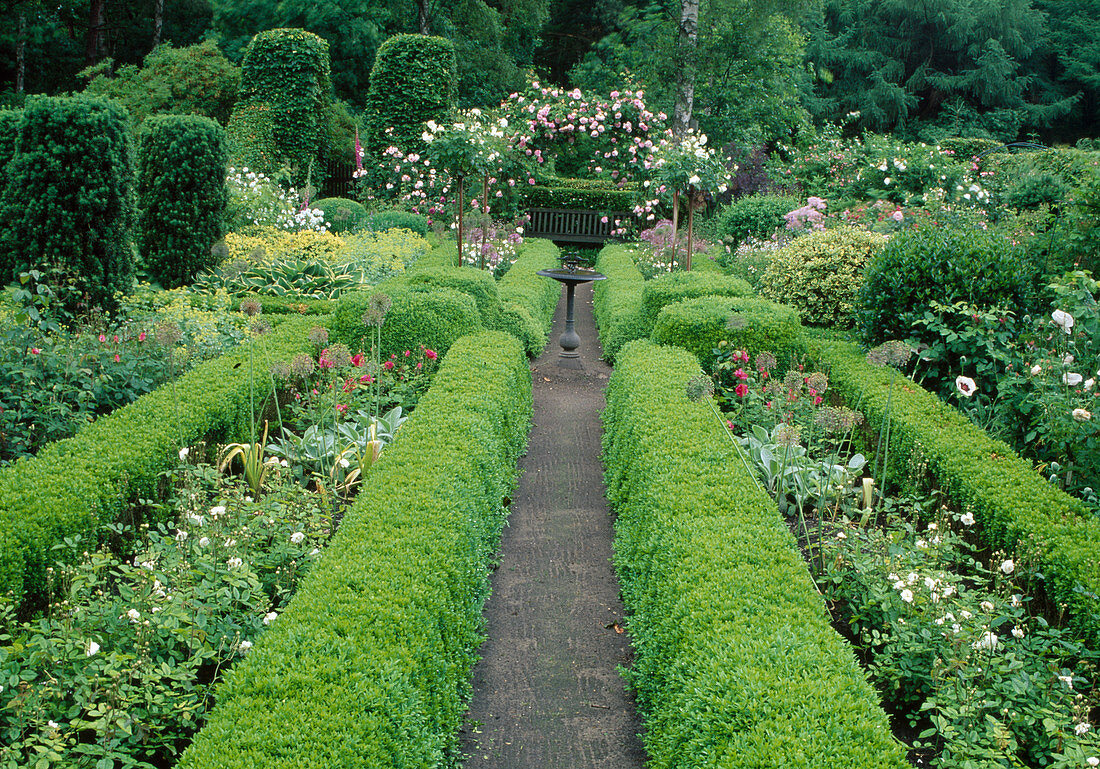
x: 737, y: 664
x: 369, y: 665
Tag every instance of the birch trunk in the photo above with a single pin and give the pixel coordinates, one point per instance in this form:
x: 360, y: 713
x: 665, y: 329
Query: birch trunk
x: 685, y: 79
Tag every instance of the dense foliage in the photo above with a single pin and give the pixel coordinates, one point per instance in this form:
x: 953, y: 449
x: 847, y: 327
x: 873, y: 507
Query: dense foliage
x: 181, y: 195
x: 68, y: 204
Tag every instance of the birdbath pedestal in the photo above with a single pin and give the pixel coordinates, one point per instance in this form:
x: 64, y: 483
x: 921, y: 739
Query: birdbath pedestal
x: 571, y: 276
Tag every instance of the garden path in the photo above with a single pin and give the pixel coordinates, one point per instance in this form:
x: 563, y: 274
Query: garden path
x: 546, y: 692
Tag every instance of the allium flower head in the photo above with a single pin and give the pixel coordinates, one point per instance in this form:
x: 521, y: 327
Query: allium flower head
x: 699, y: 388
x: 818, y: 382
x: 894, y: 353
x: 251, y: 306
x: 167, y: 334
x: 302, y: 365
x: 280, y: 371
x: 838, y: 419
x: 318, y: 336
x: 260, y: 326
x: 339, y: 355
x: 765, y: 361
x: 788, y: 435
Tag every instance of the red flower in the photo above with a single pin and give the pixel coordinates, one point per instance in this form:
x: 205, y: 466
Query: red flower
x: 817, y: 400
x: 431, y: 354
x: 103, y: 337
x: 141, y: 337
x: 341, y: 407
x: 740, y: 374
x: 35, y: 351
x: 366, y: 379
x: 349, y: 385
x: 357, y: 360
x: 115, y: 339
x: 742, y: 390
x: 388, y: 365
x: 117, y: 358
x: 407, y: 353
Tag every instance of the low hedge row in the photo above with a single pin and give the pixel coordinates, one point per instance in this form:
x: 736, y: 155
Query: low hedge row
x: 617, y: 301
x: 80, y: 484
x: 1016, y: 506
x: 747, y: 323
x: 369, y: 664
x: 528, y: 300
x: 736, y: 663
x: 677, y: 286
x: 573, y: 197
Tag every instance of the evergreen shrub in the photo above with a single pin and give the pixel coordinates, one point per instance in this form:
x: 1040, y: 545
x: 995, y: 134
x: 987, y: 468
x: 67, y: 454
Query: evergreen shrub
x: 67, y: 206
x: 754, y: 216
x: 413, y: 81
x: 342, y: 215
x: 617, y: 301
x: 435, y: 317
x: 528, y: 300
x: 280, y: 119
x: 943, y: 264
x: 571, y: 193
x: 397, y: 220
x: 9, y: 132
x: 475, y: 283
x: 819, y: 274
x: 736, y: 662
x: 746, y: 323
x: 676, y: 286
x: 181, y: 195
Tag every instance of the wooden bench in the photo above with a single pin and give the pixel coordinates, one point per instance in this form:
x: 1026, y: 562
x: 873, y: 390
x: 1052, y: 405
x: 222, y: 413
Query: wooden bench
x: 571, y: 225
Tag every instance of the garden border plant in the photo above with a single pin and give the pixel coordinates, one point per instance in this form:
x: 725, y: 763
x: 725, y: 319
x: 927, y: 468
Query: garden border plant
x: 736, y: 661
x: 617, y: 301
x: 83, y: 483
x: 1016, y: 507
x: 369, y: 664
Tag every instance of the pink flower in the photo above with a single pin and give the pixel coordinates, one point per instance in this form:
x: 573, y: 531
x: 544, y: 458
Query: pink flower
x: 115, y: 339
x: 35, y: 351
x: 103, y: 337
x: 366, y: 379
x: 141, y: 337
x: 740, y: 374
x: 897, y: 216
x: 431, y: 354
x: 117, y: 358
x: 742, y: 390
x: 817, y: 400
x: 341, y: 407
x: 388, y: 365
x: 357, y: 360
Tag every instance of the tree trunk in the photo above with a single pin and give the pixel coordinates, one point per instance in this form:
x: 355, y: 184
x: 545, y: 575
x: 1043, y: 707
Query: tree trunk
x: 422, y: 16
x: 21, y: 54
x: 691, y: 219
x: 94, y: 44
x: 461, y: 203
x: 158, y: 21
x: 675, y: 225
x: 685, y: 78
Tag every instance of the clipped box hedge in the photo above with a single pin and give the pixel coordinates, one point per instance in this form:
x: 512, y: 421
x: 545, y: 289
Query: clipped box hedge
x: 420, y: 315
x: 677, y: 286
x: 369, y: 664
x: 574, y: 194
x: 617, y: 301
x: 80, y: 484
x: 1015, y: 505
x: 736, y: 663
x: 747, y: 323
x: 527, y: 299
x: 477, y: 284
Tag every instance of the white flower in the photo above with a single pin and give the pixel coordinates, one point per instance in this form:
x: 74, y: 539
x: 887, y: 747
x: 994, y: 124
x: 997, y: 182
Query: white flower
x: 1072, y: 378
x: 1067, y: 680
x: 181, y: 535
x: 1092, y: 761
x: 967, y: 519
x: 196, y: 519
x: 907, y: 595
x: 1089, y: 384
x: 921, y: 544
x: 1036, y: 370
x: 1062, y: 319
x: 899, y: 585
x: 218, y: 510
x: 1018, y: 632
x: 204, y: 542
x: 987, y: 606
x: 52, y: 724
x: 314, y: 551
x: 929, y: 583
x: 234, y: 562
x: 133, y: 614
x: 244, y: 646
x: 886, y: 181
x: 93, y: 648
x: 297, y: 537
x: 1016, y: 601
x: 694, y: 179
x: 965, y: 614
x: 1068, y: 360
x: 1082, y: 415
x: 965, y: 386
x: 270, y: 617
x: 1081, y: 728
x: 912, y: 577
x: 988, y: 640
x: 1007, y: 567
x: 184, y: 452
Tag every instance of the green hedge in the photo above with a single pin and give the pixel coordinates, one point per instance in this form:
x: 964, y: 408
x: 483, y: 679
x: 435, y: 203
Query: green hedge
x: 369, y: 664
x: 342, y: 214
x: 736, y: 663
x: 747, y: 323
x: 568, y: 195
x: 1013, y: 503
x: 617, y: 301
x: 677, y: 286
x: 527, y: 300
x: 80, y: 484
x: 432, y: 316
x: 477, y: 284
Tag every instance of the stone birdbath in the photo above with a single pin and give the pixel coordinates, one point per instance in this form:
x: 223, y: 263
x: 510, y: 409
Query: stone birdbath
x: 571, y: 275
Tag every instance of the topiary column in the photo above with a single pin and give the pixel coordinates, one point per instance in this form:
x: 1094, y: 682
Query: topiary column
x: 181, y: 195
x: 412, y: 82
x: 67, y: 205
x: 280, y: 118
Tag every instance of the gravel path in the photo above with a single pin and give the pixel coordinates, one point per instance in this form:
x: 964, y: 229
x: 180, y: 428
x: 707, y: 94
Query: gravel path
x: 546, y: 692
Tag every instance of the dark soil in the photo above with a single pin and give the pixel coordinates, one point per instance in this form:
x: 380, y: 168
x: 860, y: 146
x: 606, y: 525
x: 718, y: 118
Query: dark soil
x: 547, y: 692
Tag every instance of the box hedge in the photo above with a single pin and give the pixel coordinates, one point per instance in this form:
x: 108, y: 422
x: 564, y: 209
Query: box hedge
x: 427, y: 315
x: 747, y: 323
x: 80, y: 484
x: 1016, y: 507
x: 736, y: 663
x: 568, y: 193
x: 617, y: 301
x: 686, y: 285
x: 369, y: 665
x: 527, y: 300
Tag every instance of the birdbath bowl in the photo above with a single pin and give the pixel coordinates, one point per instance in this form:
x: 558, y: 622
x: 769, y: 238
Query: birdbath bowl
x: 571, y: 277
